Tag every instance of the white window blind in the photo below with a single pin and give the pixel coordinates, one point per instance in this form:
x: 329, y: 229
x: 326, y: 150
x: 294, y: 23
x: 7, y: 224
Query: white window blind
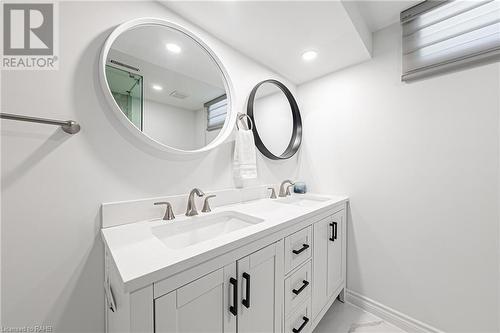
x: 216, y: 113
x: 440, y: 36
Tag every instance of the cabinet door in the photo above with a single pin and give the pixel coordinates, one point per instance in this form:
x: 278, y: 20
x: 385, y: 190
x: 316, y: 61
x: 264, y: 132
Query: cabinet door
x: 260, y: 305
x: 335, y: 248
x: 199, y: 306
x: 327, y: 259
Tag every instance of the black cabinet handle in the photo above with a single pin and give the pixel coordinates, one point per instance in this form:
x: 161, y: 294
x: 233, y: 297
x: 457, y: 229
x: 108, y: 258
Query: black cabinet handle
x: 246, y: 301
x: 232, y: 308
x: 297, y: 330
x: 304, y: 247
x: 334, y: 231
x: 298, y: 291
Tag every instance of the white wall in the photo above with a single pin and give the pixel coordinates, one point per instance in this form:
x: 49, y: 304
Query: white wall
x: 204, y: 137
x: 172, y: 126
x: 53, y: 183
x: 420, y: 163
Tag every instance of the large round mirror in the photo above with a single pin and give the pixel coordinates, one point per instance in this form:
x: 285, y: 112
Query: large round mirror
x: 276, y: 118
x: 166, y: 86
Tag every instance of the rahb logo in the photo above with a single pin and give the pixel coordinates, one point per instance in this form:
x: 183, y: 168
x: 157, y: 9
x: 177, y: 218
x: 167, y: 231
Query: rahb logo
x: 30, y: 36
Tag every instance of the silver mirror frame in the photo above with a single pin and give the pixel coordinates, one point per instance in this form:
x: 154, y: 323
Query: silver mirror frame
x: 228, y: 126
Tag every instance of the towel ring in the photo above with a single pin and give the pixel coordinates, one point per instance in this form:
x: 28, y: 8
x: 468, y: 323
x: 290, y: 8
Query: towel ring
x: 240, y: 117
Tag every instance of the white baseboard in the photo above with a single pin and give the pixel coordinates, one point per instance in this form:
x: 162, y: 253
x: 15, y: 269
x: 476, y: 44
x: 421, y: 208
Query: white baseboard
x: 390, y: 315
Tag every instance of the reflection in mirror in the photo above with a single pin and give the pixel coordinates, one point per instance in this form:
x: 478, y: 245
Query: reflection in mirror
x: 272, y: 116
x: 167, y: 85
x: 276, y: 116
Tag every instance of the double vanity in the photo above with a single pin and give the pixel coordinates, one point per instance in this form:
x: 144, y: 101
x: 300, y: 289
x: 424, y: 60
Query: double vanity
x: 251, y: 264
x: 249, y: 260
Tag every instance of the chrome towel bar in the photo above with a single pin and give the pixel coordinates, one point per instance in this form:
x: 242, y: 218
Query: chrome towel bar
x: 68, y: 126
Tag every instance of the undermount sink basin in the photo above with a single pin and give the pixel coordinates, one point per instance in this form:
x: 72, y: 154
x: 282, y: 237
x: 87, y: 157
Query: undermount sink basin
x: 177, y: 235
x: 303, y: 200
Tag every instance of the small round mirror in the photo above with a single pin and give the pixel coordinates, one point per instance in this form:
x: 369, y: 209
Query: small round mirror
x: 166, y: 85
x: 276, y: 118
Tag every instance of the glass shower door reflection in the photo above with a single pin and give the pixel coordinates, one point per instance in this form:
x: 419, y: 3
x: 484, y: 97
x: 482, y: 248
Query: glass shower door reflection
x: 127, y: 90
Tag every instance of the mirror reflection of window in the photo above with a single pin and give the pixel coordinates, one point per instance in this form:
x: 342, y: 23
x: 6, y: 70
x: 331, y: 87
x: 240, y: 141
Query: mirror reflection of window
x: 216, y: 113
x: 182, y: 89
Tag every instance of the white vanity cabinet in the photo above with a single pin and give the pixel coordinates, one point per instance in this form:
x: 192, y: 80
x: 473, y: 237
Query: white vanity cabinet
x: 240, y: 297
x: 198, y: 306
x: 284, y: 281
x: 259, y: 283
x: 328, y: 260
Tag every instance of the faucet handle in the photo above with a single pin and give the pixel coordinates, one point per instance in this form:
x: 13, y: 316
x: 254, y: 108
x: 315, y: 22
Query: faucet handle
x: 206, y: 205
x: 169, y: 214
x: 288, y: 189
x: 273, y: 192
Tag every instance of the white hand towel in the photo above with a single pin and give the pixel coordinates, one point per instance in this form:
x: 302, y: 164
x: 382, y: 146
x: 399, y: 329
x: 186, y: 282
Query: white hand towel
x: 245, y: 163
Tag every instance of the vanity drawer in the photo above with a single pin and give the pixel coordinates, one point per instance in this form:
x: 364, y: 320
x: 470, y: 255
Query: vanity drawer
x: 298, y: 248
x: 299, y: 320
x: 298, y: 287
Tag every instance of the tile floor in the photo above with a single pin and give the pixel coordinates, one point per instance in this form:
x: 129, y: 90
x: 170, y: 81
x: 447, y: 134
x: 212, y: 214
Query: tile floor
x: 346, y: 318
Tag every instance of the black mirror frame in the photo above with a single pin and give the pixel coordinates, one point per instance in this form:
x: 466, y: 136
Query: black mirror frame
x: 296, y: 139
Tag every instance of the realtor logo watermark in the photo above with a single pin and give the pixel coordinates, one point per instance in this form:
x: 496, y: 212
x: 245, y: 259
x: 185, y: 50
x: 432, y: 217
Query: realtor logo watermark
x: 30, y: 36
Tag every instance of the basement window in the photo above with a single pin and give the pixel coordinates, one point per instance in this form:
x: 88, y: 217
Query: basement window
x: 216, y: 112
x: 442, y: 36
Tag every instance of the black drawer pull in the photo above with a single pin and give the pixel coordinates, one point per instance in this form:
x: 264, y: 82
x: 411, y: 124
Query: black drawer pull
x: 304, y: 247
x: 297, y: 330
x: 298, y: 291
x: 232, y: 308
x: 334, y: 231
x: 246, y: 301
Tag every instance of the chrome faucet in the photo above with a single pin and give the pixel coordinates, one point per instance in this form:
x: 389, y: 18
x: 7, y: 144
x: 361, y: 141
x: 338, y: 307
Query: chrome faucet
x: 284, y: 191
x: 191, y: 206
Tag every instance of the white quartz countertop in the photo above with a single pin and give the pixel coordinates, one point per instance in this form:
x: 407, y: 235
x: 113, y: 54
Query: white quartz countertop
x: 141, y: 258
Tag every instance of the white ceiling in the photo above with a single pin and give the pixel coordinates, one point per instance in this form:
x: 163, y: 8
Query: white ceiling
x: 379, y: 14
x: 276, y: 33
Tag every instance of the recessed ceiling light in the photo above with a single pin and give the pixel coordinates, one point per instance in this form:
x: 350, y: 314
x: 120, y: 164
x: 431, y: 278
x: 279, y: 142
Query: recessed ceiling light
x: 174, y: 48
x: 157, y: 87
x: 309, y: 55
